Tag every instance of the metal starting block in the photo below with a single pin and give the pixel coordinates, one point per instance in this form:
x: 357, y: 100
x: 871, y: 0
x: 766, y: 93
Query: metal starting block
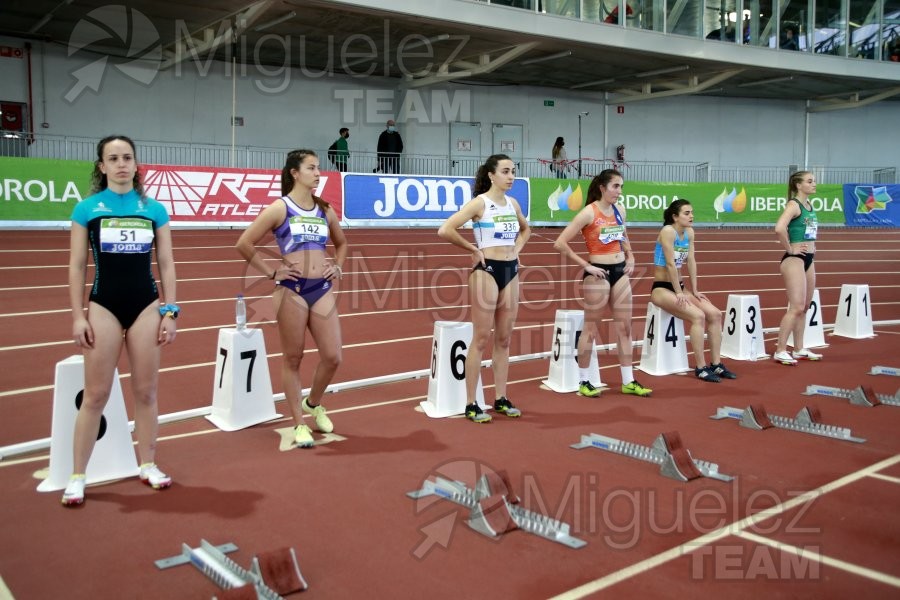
x: 495, y: 512
x: 806, y: 421
x: 278, y: 566
x: 227, y: 574
x: 861, y: 396
x: 674, y: 460
x: 879, y: 370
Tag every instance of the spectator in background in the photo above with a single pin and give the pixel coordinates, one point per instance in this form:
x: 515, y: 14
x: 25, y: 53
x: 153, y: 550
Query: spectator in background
x: 560, y: 164
x: 339, y: 152
x: 390, y: 145
x: 894, y: 55
x: 791, y: 39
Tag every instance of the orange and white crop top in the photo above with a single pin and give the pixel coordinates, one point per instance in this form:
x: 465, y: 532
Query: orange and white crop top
x: 605, y: 234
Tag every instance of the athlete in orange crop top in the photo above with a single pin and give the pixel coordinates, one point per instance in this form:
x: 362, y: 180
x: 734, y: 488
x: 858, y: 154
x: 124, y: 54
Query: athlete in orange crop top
x: 605, y: 281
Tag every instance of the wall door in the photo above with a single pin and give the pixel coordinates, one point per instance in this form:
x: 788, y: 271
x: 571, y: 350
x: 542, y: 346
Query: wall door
x: 465, y: 148
x: 508, y: 141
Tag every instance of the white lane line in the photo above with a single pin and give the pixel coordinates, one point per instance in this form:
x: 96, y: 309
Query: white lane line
x: 44, y: 457
x: 645, y: 565
x: 825, y: 560
x: 887, y: 478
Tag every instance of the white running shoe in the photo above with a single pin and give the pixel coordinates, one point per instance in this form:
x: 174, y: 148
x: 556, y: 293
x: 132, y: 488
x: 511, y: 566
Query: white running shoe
x: 784, y: 358
x: 152, y: 476
x: 806, y: 354
x: 74, y: 494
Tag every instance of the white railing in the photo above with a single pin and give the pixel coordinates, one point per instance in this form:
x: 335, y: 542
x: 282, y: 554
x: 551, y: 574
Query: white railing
x: 211, y: 155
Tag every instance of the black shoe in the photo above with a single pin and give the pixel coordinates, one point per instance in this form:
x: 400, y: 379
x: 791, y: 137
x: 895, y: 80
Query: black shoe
x: 502, y: 405
x: 707, y: 374
x: 476, y: 415
x: 722, y: 372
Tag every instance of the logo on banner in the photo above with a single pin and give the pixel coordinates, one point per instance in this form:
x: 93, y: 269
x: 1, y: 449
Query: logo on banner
x: 565, y: 199
x: 733, y: 202
x: 214, y: 193
x: 381, y: 197
x: 870, y: 198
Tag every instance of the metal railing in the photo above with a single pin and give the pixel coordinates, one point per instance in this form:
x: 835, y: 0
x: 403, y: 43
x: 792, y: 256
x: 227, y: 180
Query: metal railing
x: 441, y: 165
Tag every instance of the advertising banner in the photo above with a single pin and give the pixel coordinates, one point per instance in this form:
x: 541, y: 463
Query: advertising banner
x: 556, y: 201
x: 214, y: 195
x: 398, y: 199
x: 37, y: 190
x: 867, y: 205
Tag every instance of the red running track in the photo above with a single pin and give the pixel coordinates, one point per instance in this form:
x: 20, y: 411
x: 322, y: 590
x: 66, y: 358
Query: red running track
x: 343, y: 505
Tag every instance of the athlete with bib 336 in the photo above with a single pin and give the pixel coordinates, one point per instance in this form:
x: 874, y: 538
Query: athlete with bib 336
x: 500, y: 232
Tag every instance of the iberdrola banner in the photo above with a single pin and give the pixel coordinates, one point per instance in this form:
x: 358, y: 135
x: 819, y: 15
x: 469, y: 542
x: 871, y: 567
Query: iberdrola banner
x: 556, y: 201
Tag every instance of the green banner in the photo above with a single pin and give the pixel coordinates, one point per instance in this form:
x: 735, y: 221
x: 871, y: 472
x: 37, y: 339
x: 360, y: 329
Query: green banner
x: 558, y: 200
x: 39, y: 189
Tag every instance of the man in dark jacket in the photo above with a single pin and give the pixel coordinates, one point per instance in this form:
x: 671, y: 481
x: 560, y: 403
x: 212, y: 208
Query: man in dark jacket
x: 390, y: 145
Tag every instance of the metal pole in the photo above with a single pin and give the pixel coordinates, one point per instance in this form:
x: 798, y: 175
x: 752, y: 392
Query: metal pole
x: 579, y: 145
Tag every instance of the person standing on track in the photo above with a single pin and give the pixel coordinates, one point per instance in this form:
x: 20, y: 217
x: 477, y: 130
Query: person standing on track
x: 674, y: 247
x: 302, y: 224
x: 796, y: 231
x: 605, y: 282
x: 500, y: 232
x: 121, y: 226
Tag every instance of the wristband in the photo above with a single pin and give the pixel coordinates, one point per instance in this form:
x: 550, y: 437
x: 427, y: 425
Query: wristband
x: 169, y: 310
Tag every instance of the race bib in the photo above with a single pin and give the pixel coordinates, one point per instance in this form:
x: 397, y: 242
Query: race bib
x: 506, y: 227
x: 812, y: 227
x: 681, y: 254
x: 126, y: 236
x: 612, y: 233
x: 308, y: 230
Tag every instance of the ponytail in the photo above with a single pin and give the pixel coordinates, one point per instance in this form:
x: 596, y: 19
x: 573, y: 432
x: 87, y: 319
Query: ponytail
x: 482, y: 178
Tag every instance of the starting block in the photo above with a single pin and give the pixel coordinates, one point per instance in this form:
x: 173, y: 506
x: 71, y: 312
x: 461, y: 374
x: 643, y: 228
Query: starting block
x: 447, y: 379
x: 814, y: 332
x: 861, y: 396
x: 272, y: 574
x: 563, y: 376
x: 664, y: 351
x: 806, y: 421
x: 879, y: 370
x: 742, y: 334
x: 667, y: 451
x: 242, y: 388
x: 494, y: 511
x: 854, y: 312
x: 113, y: 456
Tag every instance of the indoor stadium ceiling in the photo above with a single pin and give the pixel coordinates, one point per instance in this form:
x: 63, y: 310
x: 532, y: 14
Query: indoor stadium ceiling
x: 317, y: 33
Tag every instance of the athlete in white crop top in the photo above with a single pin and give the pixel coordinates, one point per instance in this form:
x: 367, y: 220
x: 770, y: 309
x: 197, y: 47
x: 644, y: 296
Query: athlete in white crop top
x: 500, y: 232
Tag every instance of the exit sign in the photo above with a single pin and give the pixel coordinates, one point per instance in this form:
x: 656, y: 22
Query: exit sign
x: 549, y: 102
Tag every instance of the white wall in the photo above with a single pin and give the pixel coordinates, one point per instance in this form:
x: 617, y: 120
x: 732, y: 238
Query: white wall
x: 192, y: 103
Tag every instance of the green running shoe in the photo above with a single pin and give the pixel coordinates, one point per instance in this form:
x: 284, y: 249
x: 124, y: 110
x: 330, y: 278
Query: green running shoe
x: 587, y: 389
x: 637, y: 389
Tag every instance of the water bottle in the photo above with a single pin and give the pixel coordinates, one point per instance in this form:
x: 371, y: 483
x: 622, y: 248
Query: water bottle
x: 753, y: 348
x: 240, y: 313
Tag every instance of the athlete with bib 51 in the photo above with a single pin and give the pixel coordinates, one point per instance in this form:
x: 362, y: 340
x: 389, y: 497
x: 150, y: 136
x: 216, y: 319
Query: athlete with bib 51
x: 121, y: 226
